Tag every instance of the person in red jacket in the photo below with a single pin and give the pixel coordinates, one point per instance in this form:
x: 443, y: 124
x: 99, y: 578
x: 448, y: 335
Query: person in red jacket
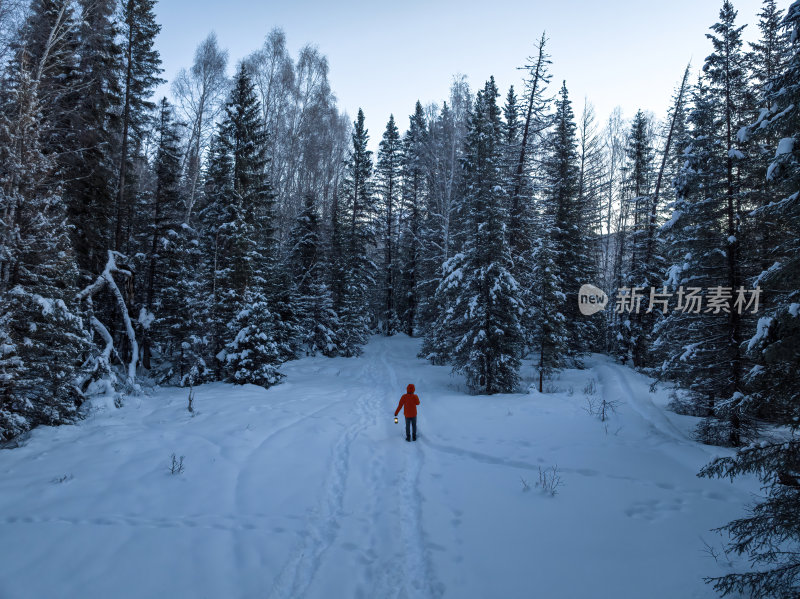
x: 409, y: 403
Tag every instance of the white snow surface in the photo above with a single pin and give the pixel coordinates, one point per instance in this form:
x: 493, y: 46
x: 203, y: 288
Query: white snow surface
x: 734, y: 153
x: 308, y: 490
x: 785, y: 146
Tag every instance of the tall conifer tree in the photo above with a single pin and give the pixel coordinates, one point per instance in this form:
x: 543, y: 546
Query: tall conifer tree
x: 141, y: 68
x: 357, y: 229
x: 478, y: 324
x: 388, y: 186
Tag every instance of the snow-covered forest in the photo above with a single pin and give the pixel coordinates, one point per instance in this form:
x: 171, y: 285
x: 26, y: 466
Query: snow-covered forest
x: 242, y: 228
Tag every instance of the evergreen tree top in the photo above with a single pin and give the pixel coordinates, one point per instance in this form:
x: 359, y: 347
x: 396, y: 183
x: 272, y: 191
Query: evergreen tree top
x: 565, y: 117
x: 727, y: 42
x: 391, y: 136
x: 140, y: 29
x: 360, y: 137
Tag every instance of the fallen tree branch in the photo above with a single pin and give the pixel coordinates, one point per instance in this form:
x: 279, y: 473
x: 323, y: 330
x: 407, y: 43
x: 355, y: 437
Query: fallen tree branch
x: 106, y: 279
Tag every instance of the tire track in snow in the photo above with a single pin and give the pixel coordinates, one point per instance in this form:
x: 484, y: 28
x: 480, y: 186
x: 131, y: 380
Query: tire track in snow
x: 298, y: 573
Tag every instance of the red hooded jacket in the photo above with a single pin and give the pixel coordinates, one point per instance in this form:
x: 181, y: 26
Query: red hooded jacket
x: 409, y: 403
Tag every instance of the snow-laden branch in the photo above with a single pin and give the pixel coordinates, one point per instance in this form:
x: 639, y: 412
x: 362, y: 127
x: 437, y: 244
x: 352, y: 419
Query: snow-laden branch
x: 106, y: 279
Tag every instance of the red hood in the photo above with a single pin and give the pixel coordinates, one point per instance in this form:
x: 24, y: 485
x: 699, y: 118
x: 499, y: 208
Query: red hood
x: 410, y: 389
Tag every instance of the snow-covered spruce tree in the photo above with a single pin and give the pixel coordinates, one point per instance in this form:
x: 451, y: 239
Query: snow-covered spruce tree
x: 433, y: 225
x: 550, y: 337
x: 313, y: 301
x: 632, y: 334
x: 48, y: 41
x: 387, y: 174
x: 767, y: 60
x: 769, y: 54
x: 72, y: 57
x: 650, y: 248
x: 512, y: 133
x: 12, y: 419
x: 252, y: 355
x: 45, y: 341
x: 519, y: 206
x: 726, y: 69
x: 179, y: 325
x: 336, y: 257
x: 163, y: 225
x: 770, y: 534
x: 215, y: 209
x: 357, y: 229
x: 415, y: 183
x: 89, y: 170
x: 686, y: 337
x: 480, y: 315
x: 570, y: 228
x: 239, y: 222
x: 703, y: 349
x: 141, y: 67
x: 45, y: 322
x: 170, y: 309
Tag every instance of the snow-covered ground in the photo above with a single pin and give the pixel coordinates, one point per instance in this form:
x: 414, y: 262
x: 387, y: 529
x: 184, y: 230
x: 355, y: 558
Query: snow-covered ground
x: 309, y: 490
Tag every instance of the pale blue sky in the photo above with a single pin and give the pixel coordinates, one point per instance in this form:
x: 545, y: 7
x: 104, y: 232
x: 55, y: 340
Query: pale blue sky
x: 385, y: 55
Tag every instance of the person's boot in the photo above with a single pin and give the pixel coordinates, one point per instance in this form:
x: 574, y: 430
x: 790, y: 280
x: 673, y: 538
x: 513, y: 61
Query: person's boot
x: 407, y: 439
x: 414, y: 438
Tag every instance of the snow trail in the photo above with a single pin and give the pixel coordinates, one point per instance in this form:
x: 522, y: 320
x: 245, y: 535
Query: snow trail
x: 308, y: 490
x: 418, y: 577
x: 634, y: 390
x: 298, y: 573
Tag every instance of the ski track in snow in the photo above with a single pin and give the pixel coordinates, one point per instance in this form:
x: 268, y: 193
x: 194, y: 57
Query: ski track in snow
x: 640, y: 402
x: 322, y: 528
x: 231, y: 522
x: 248, y: 478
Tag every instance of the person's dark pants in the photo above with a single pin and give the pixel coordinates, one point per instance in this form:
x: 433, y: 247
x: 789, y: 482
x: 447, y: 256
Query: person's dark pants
x: 412, y: 424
